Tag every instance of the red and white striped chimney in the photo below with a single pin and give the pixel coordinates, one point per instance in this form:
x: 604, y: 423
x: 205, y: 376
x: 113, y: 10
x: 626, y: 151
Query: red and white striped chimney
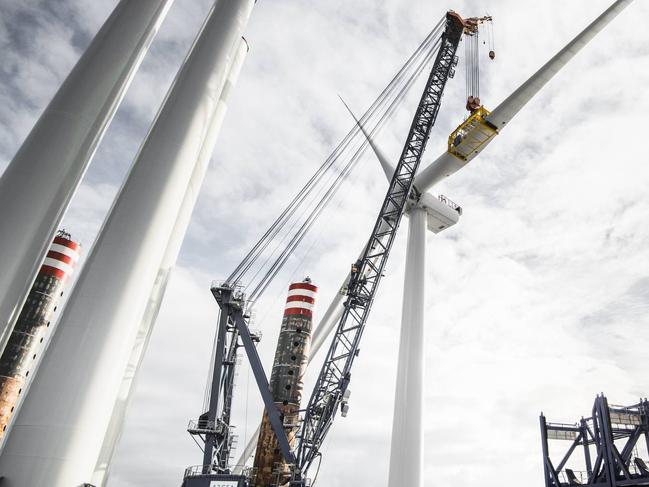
x: 28, y: 339
x: 61, y: 258
x: 301, y: 299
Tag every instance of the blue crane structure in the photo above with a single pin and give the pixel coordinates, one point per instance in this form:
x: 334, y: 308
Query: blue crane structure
x: 609, y: 441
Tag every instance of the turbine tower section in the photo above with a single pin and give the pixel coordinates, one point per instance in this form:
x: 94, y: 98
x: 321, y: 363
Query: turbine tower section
x: 167, y: 265
x: 28, y: 338
x: 286, y: 383
x: 39, y: 182
x: 58, y: 435
x: 407, y: 452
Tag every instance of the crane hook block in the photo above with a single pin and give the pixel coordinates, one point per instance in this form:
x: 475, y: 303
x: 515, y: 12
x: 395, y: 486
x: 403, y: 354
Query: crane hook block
x: 492, y: 55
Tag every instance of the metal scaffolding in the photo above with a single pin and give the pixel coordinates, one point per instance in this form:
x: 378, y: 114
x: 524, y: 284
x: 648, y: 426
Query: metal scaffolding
x: 608, y: 441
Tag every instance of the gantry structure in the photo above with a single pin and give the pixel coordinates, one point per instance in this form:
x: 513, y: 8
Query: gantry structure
x: 603, y: 450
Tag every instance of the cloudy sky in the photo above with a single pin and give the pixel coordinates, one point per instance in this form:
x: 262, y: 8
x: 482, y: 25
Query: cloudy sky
x: 536, y: 300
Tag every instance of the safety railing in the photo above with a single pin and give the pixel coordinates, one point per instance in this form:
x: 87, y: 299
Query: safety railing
x: 451, y: 204
x: 202, y: 470
x: 205, y: 426
x: 582, y: 476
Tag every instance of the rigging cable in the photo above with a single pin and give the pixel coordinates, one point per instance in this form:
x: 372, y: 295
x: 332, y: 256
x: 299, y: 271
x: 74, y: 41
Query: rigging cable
x: 300, y: 197
x: 281, y: 221
x: 400, y: 83
x: 472, y: 69
x: 476, y: 81
x: 317, y: 210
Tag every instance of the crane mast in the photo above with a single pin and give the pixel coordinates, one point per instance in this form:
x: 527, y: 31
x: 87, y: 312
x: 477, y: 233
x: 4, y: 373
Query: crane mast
x: 331, y: 389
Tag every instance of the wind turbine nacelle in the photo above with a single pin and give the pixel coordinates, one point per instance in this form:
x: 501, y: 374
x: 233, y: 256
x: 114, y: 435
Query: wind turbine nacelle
x: 441, y: 212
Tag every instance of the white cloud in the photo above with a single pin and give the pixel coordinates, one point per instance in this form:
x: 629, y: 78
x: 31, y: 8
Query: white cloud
x: 537, y: 299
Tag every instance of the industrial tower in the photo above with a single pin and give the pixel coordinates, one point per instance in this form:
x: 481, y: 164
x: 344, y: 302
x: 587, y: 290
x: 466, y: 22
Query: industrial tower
x: 31, y: 333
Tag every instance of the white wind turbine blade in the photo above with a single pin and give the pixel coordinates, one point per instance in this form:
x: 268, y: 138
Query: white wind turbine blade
x: 122, y: 402
x: 58, y: 435
x: 388, y: 168
x: 447, y: 164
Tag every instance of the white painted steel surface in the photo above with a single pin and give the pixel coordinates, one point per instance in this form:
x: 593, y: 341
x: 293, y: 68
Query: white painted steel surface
x: 122, y: 402
x: 439, y: 215
x: 446, y: 164
x: 386, y: 165
x: 407, y: 444
x: 406, y: 455
x: 37, y: 186
x: 58, y: 435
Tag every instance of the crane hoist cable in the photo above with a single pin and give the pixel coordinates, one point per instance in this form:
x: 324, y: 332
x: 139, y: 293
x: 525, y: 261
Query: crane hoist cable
x: 492, y: 40
x: 472, y: 59
x: 476, y: 130
x: 404, y: 78
x: 472, y: 67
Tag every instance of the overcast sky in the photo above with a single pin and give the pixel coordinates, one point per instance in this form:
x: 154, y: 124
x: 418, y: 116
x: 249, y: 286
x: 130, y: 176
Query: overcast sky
x: 536, y: 300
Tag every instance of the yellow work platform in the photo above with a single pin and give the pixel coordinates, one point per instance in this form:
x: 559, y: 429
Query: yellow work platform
x: 468, y: 139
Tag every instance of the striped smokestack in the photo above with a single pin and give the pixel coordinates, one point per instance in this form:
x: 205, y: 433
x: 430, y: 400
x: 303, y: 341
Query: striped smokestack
x: 28, y: 337
x: 286, y: 382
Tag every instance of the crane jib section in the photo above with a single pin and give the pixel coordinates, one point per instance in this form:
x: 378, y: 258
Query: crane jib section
x: 331, y: 387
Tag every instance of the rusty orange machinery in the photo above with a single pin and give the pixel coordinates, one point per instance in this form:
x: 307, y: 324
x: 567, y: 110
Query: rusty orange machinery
x: 286, y: 382
x: 27, y: 339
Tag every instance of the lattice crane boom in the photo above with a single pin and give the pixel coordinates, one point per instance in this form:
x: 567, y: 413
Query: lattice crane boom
x: 330, y: 390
